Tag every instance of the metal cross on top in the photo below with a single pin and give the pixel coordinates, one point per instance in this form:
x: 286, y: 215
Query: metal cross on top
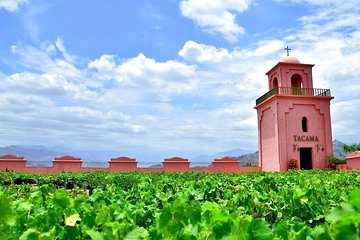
x: 287, y: 50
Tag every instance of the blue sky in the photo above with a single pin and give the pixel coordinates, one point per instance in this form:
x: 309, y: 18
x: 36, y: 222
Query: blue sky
x: 158, y: 78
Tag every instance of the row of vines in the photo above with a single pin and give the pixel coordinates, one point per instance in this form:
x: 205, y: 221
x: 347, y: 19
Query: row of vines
x: 257, y: 205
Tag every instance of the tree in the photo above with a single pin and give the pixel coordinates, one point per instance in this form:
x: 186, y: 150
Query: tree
x: 351, y: 148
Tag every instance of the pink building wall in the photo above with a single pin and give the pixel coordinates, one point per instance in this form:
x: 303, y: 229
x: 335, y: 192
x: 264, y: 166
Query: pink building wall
x: 121, y: 164
x: 176, y: 164
x: 67, y: 164
x: 268, y: 144
x: 12, y: 162
x: 226, y: 164
x: 317, y: 111
x: 353, y: 160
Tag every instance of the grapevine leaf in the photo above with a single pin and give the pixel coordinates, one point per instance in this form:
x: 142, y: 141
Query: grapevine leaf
x: 354, y: 198
x: 325, y: 236
x: 337, y: 213
x: 258, y: 229
x: 347, y: 231
x: 165, y: 217
x: 137, y: 233
x: 25, y: 206
x: 30, y: 234
x: 61, y: 199
x: 302, y: 233
x: 103, y: 215
x: 72, y: 219
x: 7, y: 215
x: 95, y: 235
x: 281, y: 230
x: 195, y: 213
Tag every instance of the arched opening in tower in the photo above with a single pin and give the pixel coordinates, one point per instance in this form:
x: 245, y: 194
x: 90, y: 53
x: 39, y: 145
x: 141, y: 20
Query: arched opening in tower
x: 275, y: 83
x: 296, y: 84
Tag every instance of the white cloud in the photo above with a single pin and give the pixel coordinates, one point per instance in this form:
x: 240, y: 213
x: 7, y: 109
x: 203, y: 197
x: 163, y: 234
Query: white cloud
x: 318, y: 2
x: 235, y: 74
x: 2, y: 76
x: 105, y: 62
x: 266, y: 48
x: 201, y: 53
x: 45, y: 85
x: 345, y: 120
x: 59, y: 45
x: 196, y: 52
x: 162, y: 78
x: 240, y: 117
x: 12, y: 5
x: 104, y: 66
x: 165, y: 78
x: 216, y: 16
x: 136, y: 128
x: 329, y: 38
x: 13, y: 103
x: 106, y: 109
x: 40, y: 60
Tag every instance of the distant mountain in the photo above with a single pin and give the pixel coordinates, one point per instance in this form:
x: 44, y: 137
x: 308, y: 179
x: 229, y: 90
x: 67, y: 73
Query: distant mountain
x: 338, y: 149
x: 251, y: 159
x: 35, y: 155
x: 229, y: 153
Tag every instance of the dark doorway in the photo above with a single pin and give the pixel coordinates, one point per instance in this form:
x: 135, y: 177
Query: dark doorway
x: 306, y: 158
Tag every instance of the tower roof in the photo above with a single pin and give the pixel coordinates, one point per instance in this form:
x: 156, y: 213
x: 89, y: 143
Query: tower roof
x: 290, y: 59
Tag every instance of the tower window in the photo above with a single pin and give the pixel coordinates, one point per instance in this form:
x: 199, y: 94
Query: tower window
x: 296, y: 81
x: 275, y: 83
x: 304, y: 124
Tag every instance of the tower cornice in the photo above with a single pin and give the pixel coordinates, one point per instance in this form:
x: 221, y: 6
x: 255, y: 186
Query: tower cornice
x: 289, y: 64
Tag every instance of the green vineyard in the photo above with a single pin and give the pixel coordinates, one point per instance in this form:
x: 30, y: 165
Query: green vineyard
x: 256, y: 205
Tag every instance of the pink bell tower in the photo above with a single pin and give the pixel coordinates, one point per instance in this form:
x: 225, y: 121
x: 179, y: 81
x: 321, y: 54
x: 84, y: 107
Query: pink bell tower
x: 293, y: 118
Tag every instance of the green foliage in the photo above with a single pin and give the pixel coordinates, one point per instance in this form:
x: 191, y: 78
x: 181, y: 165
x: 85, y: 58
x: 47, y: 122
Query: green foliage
x: 7, y: 215
x: 352, y: 147
x: 257, y: 205
x: 332, y: 161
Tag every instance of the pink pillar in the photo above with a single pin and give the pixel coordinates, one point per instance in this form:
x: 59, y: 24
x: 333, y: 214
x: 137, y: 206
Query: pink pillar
x: 67, y: 164
x: 226, y: 164
x: 122, y: 164
x: 176, y: 164
x: 353, y: 160
x: 12, y: 163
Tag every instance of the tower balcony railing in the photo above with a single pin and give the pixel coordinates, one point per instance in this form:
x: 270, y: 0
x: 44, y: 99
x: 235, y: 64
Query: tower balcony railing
x: 313, y: 92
